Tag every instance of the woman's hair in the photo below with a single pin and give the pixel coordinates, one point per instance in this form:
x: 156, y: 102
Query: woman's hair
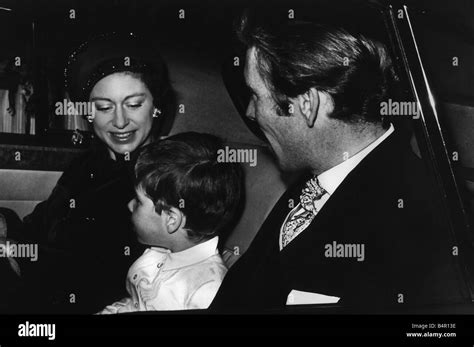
x: 155, y: 77
x: 182, y: 171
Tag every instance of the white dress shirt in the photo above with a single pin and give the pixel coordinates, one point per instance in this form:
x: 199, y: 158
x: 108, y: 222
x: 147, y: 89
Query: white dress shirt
x: 162, y: 280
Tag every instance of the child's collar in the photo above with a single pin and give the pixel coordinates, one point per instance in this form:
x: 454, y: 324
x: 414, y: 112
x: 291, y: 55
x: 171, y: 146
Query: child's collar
x: 190, y: 256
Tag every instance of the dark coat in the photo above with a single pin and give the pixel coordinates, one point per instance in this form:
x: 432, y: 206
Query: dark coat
x: 85, y: 235
x: 408, y: 248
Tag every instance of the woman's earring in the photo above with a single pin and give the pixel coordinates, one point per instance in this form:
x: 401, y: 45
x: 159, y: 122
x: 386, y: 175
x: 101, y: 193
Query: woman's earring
x: 90, y: 118
x: 156, y: 113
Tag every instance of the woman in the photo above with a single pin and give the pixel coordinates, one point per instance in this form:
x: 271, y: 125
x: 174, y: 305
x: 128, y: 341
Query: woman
x: 85, y: 236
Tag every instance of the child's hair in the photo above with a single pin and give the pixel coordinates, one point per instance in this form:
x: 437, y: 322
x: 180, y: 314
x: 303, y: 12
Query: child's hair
x: 182, y: 171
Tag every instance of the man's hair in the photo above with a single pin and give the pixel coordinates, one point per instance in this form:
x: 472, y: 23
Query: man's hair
x: 182, y: 171
x: 294, y: 56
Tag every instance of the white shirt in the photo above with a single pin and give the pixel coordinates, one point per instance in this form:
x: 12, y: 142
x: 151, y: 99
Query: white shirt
x: 330, y: 179
x: 162, y: 280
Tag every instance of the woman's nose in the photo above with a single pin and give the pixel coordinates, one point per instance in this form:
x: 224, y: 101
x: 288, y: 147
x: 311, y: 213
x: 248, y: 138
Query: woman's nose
x: 120, y: 120
x: 131, y: 205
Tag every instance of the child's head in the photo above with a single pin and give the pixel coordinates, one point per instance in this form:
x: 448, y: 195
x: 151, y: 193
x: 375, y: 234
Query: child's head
x: 184, y: 195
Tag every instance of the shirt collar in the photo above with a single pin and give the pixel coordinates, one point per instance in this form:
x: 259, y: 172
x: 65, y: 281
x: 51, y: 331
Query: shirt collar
x: 332, y: 178
x: 191, y: 255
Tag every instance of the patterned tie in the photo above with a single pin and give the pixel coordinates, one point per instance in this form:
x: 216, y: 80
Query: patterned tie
x: 302, y: 216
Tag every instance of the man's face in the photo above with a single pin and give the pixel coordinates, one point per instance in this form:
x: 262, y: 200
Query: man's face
x: 281, y: 131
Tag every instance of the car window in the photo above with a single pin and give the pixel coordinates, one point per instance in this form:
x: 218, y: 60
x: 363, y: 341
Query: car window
x: 436, y: 55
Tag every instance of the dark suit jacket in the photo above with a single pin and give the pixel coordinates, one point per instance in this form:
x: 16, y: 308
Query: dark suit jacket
x: 387, y: 204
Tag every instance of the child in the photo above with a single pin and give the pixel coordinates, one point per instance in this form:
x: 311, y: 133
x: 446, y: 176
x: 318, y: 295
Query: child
x: 184, y: 200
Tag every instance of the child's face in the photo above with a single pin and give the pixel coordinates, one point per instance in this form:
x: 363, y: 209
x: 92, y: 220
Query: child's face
x: 148, y: 224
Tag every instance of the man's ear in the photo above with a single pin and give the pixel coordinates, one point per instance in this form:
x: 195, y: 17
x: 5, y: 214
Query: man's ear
x: 308, y: 104
x: 174, y: 219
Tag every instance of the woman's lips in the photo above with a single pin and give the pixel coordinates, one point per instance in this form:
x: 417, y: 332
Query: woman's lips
x: 123, y: 137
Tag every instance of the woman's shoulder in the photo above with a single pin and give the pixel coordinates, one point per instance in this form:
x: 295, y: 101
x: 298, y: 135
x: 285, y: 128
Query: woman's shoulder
x: 83, y: 165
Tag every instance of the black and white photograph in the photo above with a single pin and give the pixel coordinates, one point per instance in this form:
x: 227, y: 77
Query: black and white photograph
x: 204, y: 167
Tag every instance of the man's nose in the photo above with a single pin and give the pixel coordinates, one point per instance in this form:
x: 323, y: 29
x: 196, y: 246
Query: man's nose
x: 120, y: 120
x: 131, y: 205
x: 250, y: 112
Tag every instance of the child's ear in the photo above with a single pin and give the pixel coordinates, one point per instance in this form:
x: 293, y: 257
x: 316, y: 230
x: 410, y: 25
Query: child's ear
x: 175, y: 219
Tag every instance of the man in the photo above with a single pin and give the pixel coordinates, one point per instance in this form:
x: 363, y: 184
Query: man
x: 363, y: 228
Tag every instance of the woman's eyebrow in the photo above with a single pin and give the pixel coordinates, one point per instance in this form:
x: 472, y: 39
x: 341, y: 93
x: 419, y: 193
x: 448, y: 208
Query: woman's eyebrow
x: 101, y: 98
x: 98, y: 98
x: 134, y: 95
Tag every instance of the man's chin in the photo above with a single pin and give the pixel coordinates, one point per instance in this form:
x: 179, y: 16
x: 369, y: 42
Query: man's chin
x: 285, y: 166
x: 282, y: 163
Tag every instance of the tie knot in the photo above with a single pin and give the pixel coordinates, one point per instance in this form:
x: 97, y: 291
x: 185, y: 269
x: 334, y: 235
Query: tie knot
x: 311, y: 193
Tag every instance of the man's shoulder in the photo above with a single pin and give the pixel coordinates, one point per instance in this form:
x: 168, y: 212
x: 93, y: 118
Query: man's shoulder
x: 391, y: 168
x: 391, y: 197
x: 388, y: 190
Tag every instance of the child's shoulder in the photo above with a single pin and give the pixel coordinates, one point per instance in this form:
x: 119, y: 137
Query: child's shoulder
x: 214, y: 262
x: 212, y: 268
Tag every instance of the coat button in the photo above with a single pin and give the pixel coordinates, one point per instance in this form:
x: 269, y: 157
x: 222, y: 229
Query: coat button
x: 135, y: 276
x: 136, y: 305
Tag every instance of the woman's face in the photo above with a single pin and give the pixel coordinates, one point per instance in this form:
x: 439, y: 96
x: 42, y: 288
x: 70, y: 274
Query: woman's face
x: 123, y: 112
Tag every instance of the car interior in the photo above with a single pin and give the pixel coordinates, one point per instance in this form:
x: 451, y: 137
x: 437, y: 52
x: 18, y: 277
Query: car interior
x: 32, y: 160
